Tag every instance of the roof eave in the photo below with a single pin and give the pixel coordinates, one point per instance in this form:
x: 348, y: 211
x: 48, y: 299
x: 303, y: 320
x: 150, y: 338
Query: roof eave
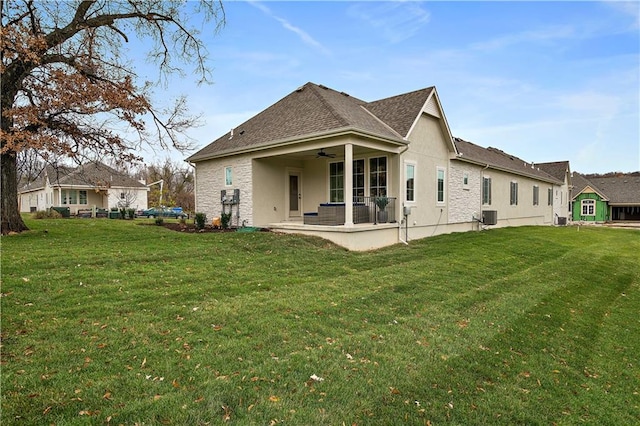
x: 508, y: 170
x: 296, y: 140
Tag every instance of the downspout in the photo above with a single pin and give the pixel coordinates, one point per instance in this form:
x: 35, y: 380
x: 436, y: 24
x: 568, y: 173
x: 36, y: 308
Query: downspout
x: 481, y: 189
x: 406, y: 223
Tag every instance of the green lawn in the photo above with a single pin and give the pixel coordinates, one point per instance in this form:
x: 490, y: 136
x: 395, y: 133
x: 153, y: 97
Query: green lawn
x: 111, y: 322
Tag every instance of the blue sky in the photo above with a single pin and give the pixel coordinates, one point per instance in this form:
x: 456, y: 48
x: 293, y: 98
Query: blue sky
x: 545, y: 81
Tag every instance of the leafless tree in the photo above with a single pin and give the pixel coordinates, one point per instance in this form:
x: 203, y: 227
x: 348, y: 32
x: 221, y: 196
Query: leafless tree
x: 68, y: 90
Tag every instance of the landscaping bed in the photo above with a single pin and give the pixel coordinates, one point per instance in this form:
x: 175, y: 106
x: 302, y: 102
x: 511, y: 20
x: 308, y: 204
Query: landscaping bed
x: 191, y: 227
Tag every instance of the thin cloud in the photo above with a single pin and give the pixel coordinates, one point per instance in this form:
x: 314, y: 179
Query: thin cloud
x: 545, y: 35
x: 303, y: 35
x: 630, y: 8
x: 396, y: 21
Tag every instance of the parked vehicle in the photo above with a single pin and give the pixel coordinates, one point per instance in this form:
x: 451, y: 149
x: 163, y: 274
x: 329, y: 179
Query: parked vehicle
x: 154, y: 212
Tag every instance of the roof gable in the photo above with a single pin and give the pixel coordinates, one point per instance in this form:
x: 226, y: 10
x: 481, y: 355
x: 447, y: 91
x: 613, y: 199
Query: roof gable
x: 400, y: 112
x: 624, y: 189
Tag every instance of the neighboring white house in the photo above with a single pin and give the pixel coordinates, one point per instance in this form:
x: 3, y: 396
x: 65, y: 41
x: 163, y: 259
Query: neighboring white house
x: 84, y: 187
x: 561, y: 196
x: 362, y: 174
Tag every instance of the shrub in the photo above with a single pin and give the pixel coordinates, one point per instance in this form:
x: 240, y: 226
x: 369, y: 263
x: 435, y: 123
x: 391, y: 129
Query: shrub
x: 47, y: 214
x: 131, y: 213
x: 159, y: 221
x: 382, y: 202
x: 225, y: 220
x: 201, y: 219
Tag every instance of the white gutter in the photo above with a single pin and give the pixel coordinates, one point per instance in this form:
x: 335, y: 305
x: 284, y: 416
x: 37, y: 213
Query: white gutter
x: 297, y: 140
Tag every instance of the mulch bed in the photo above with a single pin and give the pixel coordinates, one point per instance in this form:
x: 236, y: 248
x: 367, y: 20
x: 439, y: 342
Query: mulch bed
x: 191, y: 227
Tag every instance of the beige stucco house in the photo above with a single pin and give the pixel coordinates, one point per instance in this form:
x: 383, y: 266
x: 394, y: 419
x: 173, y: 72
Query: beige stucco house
x: 94, y: 185
x: 361, y: 174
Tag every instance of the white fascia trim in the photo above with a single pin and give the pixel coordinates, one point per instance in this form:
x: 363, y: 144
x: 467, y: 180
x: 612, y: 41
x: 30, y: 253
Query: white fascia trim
x: 296, y: 140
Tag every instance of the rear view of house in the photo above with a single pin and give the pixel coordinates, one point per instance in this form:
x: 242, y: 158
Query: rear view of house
x: 364, y: 174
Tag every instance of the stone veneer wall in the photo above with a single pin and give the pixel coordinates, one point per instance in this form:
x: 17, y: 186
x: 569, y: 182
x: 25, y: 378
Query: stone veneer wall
x: 464, y: 201
x: 210, y: 181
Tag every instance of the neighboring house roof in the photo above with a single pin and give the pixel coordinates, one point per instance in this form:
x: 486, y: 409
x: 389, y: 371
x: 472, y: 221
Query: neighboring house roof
x: 580, y: 182
x: 40, y: 180
x: 557, y: 169
x: 619, y: 190
x: 500, y: 160
x: 315, y: 110
x: 89, y: 175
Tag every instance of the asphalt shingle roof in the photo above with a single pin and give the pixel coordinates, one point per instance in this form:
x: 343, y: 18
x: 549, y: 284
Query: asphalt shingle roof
x: 501, y: 160
x: 400, y: 111
x: 557, y: 169
x: 92, y: 174
x: 624, y: 189
x: 315, y: 109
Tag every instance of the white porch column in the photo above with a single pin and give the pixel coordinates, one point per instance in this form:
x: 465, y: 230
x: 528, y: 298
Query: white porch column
x: 348, y: 185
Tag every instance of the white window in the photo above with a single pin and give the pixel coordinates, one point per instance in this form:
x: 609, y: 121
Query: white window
x: 440, y: 185
x: 588, y: 207
x: 550, y: 197
x: 82, y: 196
x: 486, y: 190
x: 378, y: 177
x: 228, y: 176
x: 410, y: 179
x: 336, y: 182
x: 465, y: 180
x: 536, y: 195
x: 358, y: 179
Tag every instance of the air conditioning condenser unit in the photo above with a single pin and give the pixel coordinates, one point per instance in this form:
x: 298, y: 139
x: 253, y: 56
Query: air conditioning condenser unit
x: 490, y: 217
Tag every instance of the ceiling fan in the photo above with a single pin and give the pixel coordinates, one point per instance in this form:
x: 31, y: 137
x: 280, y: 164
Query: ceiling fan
x: 321, y: 153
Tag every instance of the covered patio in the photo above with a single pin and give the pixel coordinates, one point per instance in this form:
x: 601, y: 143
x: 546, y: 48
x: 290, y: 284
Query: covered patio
x: 332, y: 184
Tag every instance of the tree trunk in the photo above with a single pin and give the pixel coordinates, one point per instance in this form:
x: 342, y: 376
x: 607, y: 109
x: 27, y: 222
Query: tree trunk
x: 11, y: 219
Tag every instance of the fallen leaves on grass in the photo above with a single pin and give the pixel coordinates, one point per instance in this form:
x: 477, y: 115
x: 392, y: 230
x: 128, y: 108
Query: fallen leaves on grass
x: 227, y: 413
x: 463, y: 323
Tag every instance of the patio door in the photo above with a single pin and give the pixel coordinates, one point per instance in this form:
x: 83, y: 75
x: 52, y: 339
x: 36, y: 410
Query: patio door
x: 294, y: 193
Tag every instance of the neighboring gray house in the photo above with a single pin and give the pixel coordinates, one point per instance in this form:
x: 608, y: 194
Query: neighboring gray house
x: 363, y: 174
x: 83, y: 187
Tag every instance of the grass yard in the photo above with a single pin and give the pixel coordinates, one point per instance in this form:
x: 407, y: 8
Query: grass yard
x: 110, y: 322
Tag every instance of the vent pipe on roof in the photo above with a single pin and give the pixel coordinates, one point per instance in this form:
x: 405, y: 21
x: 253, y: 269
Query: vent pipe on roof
x: 231, y: 135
